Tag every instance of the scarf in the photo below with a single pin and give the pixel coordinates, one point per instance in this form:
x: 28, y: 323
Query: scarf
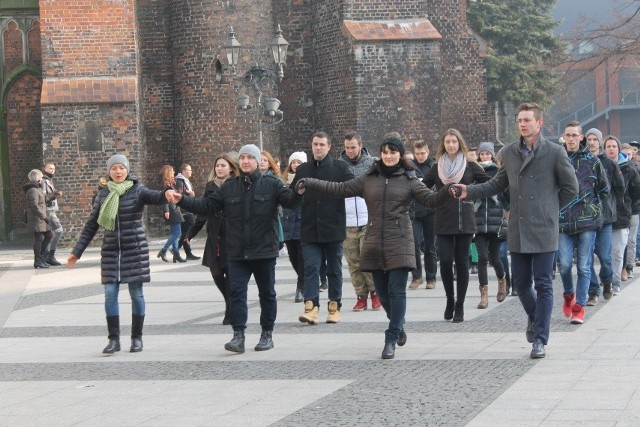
x: 451, y: 171
x: 218, y: 182
x: 388, y: 171
x: 109, y: 209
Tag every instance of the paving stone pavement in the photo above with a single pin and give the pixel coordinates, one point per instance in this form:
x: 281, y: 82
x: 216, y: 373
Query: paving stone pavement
x: 476, y: 373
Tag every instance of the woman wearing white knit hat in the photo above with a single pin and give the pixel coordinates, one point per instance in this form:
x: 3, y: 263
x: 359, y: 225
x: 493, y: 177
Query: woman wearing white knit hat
x: 291, y: 221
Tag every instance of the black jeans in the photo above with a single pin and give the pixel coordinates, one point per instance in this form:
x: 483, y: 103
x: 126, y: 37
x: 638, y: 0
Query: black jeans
x: 189, y: 220
x: 424, y: 229
x: 488, y: 250
x: 454, y: 247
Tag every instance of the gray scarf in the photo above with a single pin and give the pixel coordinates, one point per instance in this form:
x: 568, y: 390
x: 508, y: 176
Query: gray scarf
x: 451, y: 171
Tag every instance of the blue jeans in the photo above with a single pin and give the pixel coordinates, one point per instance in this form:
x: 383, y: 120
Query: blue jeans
x: 602, y: 249
x: 264, y: 272
x: 312, y: 254
x: 583, y: 242
x: 504, y: 257
x: 537, y: 303
x: 391, y: 287
x: 174, y: 238
x: 111, y: 291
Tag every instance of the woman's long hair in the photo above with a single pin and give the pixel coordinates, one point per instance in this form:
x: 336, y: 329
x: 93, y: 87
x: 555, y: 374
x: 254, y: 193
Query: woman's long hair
x: 440, y: 151
x: 273, y: 166
x: 233, y: 166
x: 168, y: 176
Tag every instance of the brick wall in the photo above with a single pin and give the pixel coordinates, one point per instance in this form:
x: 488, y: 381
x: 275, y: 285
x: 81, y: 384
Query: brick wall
x: 89, y: 106
x: 100, y: 57
x: 24, y: 139
x: 83, y: 38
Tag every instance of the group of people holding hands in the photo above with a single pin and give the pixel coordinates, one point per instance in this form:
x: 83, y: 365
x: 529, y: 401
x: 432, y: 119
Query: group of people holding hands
x: 242, y: 207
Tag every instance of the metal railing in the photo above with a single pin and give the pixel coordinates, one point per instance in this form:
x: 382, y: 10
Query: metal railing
x: 590, y: 111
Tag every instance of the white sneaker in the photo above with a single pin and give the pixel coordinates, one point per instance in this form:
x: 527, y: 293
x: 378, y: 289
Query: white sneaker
x: 616, y: 289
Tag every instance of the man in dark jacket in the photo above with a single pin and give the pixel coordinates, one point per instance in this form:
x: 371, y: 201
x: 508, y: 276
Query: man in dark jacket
x: 602, y: 247
x: 323, y: 230
x: 620, y: 233
x: 579, y: 222
x: 540, y: 180
x: 631, y: 148
x: 424, y: 225
x: 250, y: 203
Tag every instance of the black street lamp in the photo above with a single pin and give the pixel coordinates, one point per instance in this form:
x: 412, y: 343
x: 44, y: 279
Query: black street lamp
x: 257, y: 77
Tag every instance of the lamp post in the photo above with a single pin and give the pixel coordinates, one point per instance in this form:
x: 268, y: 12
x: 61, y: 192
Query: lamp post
x: 267, y: 110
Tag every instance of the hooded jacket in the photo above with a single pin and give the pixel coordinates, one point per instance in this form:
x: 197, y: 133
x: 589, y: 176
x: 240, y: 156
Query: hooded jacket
x: 616, y: 189
x: 125, y: 251
x: 584, y: 212
x: 388, y: 242
x: 36, y: 208
x: 490, y: 210
x: 631, y: 192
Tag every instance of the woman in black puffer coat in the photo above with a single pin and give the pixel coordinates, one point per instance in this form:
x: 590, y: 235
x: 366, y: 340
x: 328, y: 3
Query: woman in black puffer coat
x: 125, y: 251
x: 491, y: 225
x: 215, y: 248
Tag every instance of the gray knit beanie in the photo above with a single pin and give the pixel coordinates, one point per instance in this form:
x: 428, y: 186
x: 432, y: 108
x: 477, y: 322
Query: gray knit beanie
x: 252, y: 150
x: 595, y: 132
x: 118, y: 158
x: 487, y: 146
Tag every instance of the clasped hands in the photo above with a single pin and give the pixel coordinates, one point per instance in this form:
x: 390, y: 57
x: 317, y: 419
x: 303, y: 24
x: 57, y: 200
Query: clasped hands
x: 300, y: 186
x: 458, y: 191
x: 173, y: 196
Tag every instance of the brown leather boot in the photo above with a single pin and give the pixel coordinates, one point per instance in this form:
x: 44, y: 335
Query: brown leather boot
x: 484, y: 297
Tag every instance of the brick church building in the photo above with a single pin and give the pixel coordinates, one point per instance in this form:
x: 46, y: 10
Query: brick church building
x: 81, y: 80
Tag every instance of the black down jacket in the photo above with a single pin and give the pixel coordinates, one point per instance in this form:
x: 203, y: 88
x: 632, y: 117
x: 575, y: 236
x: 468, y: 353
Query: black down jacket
x: 489, y: 211
x: 250, y: 203
x: 125, y: 250
x: 323, y: 217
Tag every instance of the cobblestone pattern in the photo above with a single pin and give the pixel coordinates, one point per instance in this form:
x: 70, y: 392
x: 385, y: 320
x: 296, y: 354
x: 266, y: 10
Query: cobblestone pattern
x: 433, y: 392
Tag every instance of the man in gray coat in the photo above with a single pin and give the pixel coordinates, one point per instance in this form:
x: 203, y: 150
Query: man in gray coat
x: 540, y: 180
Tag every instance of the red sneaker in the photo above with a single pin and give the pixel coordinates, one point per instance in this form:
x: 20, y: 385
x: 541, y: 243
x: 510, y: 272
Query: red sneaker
x: 577, y: 314
x: 375, y: 302
x: 569, y: 301
x: 361, y: 304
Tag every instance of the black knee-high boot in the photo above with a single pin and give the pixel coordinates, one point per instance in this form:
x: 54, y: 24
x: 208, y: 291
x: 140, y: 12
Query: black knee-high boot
x: 113, y: 325
x: 448, y: 290
x: 137, y: 322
